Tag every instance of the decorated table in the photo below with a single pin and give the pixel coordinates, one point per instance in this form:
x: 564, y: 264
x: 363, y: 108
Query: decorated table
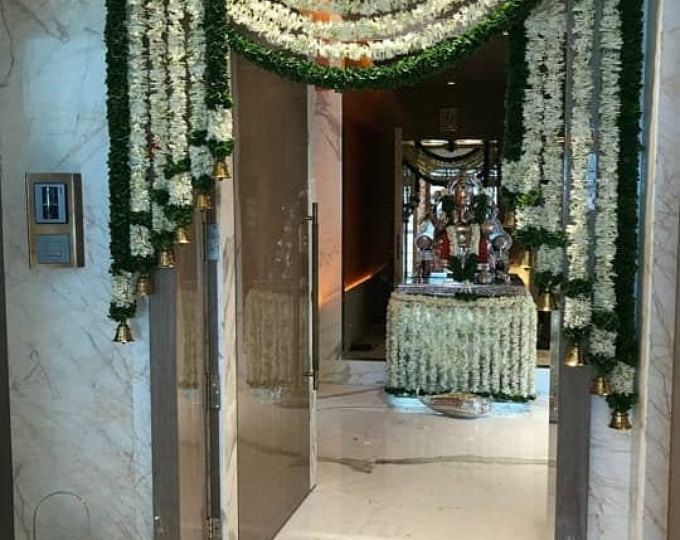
x: 447, y: 337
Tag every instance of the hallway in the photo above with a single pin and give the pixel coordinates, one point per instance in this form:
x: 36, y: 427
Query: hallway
x: 389, y: 468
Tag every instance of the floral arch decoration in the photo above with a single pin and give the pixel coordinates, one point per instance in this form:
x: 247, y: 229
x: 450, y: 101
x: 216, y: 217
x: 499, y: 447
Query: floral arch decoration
x: 169, y: 113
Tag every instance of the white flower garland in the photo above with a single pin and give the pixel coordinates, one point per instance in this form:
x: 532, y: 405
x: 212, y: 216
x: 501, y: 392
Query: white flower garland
x: 352, y: 7
x: 549, y: 214
x: 437, y: 344
x: 200, y: 157
x: 577, y: 312
x: 123, y: 289
x: 138, y: 85
x: 602, y: 341
x: 158, y: 98
x: 540, y: 166
x: 524, y: 175
x: 180, y: 187
x: 274, y: 27
x: 138, y: 149
x: 368, y: 28
x: 622, y: 379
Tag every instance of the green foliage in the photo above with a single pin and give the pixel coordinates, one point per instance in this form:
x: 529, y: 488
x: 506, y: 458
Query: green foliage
x: 626, y: 259
x: 517, y: 73
x: 547, y: 281
x: 577, y: 287
x: 118, y: 115
x: 531, y: 198
x: 607, y: 320
x: 216, y: 27
x: 533, y: 238
x: 122, y: 313
x: 405, y: 71
x: 603, y: 364
x: 621, y: 402
x: 465, y: 271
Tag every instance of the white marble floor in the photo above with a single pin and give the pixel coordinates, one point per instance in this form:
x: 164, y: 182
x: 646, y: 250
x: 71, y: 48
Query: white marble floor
x: 390, y: 469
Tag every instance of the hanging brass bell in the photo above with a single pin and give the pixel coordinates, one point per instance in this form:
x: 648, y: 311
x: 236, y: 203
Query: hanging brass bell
x: 509, y: 221
x: 221, y: 170
x: 621, y: 421
x: 166, y: 259
x: 574, y: 356
x: 600, y: 386
x: 144, y: 285
x: 528, y: 259
x: 545, y: 303
x: 182, y: 236
x: 123, y: 333
x: 204, y: 201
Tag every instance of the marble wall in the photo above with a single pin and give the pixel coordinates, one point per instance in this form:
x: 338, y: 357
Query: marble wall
x: 326, y: 185
x: 629, y: 471
x: 651, y: 448
x: 326, y: 189
x: 80, y: 404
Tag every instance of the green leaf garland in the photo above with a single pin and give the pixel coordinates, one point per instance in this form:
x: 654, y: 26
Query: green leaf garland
x: 406, y: 71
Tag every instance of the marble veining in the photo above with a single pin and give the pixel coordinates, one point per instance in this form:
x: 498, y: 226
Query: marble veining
x: 80, y: 403
x: 660, y: 273
x: 629, y: 472
x: 227, y: 349
x: 390, y: 468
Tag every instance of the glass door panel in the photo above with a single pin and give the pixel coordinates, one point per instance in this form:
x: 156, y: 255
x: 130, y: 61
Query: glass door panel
x: 273, y: 299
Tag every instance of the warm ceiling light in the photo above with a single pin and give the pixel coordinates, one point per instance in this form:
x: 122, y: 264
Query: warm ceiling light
x: 433, y: 143
x: 451, y: 83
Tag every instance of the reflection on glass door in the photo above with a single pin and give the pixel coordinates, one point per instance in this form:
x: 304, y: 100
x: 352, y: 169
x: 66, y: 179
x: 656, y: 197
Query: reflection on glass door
x: 273, y: 300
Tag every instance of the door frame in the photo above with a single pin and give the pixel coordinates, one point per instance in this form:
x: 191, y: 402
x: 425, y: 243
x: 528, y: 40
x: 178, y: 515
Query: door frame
x: 165, y: 356
x: 6, y: 477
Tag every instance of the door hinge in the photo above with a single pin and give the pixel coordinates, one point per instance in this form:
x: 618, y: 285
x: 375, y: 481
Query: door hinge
x: 215, y: 397
x: 214, y: 528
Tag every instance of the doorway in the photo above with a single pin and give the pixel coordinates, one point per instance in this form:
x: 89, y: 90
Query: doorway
x: 388, y: 465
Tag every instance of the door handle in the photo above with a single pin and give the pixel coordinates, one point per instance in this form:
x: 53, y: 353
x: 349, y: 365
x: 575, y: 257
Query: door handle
x: 315, y: 295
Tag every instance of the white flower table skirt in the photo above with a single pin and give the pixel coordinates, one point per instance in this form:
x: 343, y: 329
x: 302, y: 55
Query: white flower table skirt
x: 443, y: 344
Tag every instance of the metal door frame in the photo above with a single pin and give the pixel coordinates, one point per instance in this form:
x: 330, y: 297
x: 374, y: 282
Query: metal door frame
x: 164, y: 356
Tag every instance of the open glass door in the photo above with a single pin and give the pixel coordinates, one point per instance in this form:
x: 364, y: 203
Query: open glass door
x: 273, y: 302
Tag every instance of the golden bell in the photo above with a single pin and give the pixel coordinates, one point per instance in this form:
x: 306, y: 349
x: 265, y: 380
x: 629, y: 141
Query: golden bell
x: 509, y: 220
x: 574, y: 357
x: 123, y: 333
x: 144, y: 285
x: 166, y: 259
x: 599, y: 386
x: 182, y: 236
x: 203, y: 201
x: 620, y: 421
x: 545, y: 303
x: 221, y: 170
x: 528, y: 258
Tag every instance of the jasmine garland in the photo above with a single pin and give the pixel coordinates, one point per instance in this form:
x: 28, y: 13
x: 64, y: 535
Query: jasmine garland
x: 378, y: 27
x: 353, y: 7
x: 282, y: 30
x: 577, y: 304
x: 535, y: 179
x: 603, y: 337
